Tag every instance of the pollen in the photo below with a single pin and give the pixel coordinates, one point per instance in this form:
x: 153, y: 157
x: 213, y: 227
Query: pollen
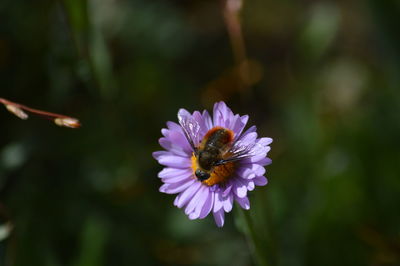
x: 219, y: 175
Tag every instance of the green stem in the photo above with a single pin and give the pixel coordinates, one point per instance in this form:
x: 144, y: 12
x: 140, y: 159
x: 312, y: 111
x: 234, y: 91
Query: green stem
x: 253, y: 239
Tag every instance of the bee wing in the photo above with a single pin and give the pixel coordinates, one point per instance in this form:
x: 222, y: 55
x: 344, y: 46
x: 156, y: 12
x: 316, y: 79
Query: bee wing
x: 240, y: 151
x: 190, y: 128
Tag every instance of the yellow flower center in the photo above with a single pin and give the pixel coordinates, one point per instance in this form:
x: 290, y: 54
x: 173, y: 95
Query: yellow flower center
x: 219, y: 174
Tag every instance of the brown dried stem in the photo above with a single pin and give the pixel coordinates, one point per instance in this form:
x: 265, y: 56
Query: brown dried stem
x: 231, y: 12
x: 22, y: 112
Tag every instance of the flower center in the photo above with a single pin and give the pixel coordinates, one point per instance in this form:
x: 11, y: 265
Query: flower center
x: 220, y: 174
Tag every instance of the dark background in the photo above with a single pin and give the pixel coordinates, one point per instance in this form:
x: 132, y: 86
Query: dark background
x: 323, y: 82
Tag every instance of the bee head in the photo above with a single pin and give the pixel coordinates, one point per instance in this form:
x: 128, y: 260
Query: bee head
x: 201, y: 175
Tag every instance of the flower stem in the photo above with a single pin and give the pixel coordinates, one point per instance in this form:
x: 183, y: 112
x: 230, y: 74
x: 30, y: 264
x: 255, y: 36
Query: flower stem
x: 253, y: 240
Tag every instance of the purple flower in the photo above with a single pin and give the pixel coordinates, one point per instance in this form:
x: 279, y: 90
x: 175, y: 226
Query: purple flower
x: 210, y: 163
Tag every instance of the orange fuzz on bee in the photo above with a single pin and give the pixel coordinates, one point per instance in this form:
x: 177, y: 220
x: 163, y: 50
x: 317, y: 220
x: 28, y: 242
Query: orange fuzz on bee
x: 219, y: 175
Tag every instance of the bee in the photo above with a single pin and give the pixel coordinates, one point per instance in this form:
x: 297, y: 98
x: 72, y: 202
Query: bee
x: 219, y: 146
x: 211, y: 151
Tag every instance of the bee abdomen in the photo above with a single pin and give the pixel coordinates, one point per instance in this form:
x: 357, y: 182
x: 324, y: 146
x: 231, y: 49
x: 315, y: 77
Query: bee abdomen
x: 218, y: 137
x: 213, y: 146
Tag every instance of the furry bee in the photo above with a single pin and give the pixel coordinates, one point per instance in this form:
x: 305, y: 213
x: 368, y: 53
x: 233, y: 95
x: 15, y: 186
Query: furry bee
x: 219, y: 146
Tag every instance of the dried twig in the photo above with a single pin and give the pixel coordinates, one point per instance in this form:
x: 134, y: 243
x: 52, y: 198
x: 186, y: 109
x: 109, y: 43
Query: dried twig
x: 22, y: 112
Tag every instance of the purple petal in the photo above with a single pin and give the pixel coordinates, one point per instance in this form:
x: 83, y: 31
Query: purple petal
x: 201, y: 201
x: 243, y: 202
x: 192, y: 216
x: 258, y: 169
x: 222, y: 115
x: 176, y: 187
x: 265, y: 141
x: 172, y: 147
x: 176, y: 200
x: 164, y: 132
x: 260, y: 151
x: 172, y: 172
x: 231, y: 122
x: 207, y: 207
x: 176, y: 179
x: 227, y: 190
x: 207, y: 120
x: 173, y: 126
x: 198, y: 199
x: 203, y: 123
x: 217, y: 115
x: 263, y: 148
x: 246, y: 173
x: 239, y: 125
x: 249, y: 138
x: 228, y: 203
x: 258, y: 158
x: 260, y: 180
x: 250, y: 170
x: 158, y: 154
x: 217, y: 202
x: 265, y: 161
x: 250, y: 186
x: 188, y: 194
x: 177, y: 138
x: 175, y: 161
x: 219, y: 218
x: 248, y: 131
x: 240, y: 189
x: 174, y: 133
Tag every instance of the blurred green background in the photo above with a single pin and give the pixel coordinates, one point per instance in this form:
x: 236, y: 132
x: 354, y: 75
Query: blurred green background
x: 322, y: 80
